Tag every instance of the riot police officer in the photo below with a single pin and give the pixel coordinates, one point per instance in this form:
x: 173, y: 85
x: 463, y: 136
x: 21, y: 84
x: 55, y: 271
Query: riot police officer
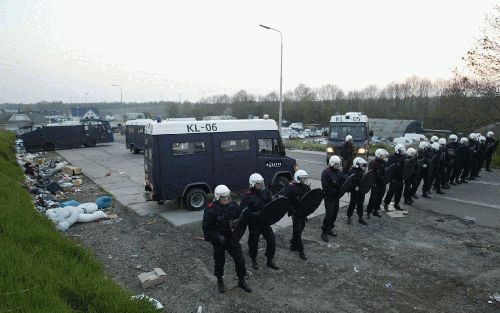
x: 423, y: 169
x: 218, y: 220
x: 453, y: 161
x: 347, y: 154
x: 481, y: 154
x: 331, y: 181
x: 473, y: 146
x: 294, y: 192
x: 396, y: 184
x: 378, y: 166
x: 444, y: 164
x: 410, y: 181
x: 491, y: 146
x: 254, y: 201
x: 357, y: 197
x: 463, y: 156
x: 437, y: 160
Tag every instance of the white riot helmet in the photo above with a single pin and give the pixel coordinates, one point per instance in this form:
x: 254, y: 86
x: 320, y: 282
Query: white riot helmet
x: 255, y: 178
x: 453, y: 138
x: 435, y: 146
x: 300, y: 176
x: 482, y: 139
x: 348, y: 138
x: 423, y: 144
x: 359, y: 162
x: 489, y: 134
x: 411, y: 152
x: 464, y: 140
x: 434, y: 138
x: 381, y: 153
x: 442, y: 141
x: 400, y: 149
x: 472, y: 136
x: 221, y: 191
x: 334, y: 161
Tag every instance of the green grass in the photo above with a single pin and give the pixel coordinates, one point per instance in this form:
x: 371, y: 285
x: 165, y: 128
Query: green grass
x: 41, y: 270
x: 298, y: 144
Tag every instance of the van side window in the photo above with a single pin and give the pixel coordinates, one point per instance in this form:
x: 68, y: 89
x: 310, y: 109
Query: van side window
x: 265, y: 146
x: 130, y: 130
x: 140, y: 130
x: 235, y: 145
x: 183, y: 148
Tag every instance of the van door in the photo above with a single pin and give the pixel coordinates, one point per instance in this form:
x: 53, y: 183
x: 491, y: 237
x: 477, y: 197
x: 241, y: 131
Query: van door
x: 186, y: 159
x: 271, y: 157
x: 234, y: 158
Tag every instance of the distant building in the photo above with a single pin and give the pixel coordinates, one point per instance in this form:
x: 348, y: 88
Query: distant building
x: 382, y: 127
x: 80, y: 112
x: 134, y: 116
x: 18, y: 121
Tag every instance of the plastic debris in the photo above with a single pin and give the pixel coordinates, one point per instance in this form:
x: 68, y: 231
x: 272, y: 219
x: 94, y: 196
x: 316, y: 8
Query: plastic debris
x: 153, y: 278
x: 103, y: 202
x: 200, y: 309
x: 153, y: 301
x: 470, y: 219
x: 356, y: 269
x: 108, y: 173
x: 496, y: 296
x: 69, y: 203
x: 388, y: 285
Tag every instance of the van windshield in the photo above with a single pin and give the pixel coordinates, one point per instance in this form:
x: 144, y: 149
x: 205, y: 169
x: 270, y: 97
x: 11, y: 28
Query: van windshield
x: 338, y: 131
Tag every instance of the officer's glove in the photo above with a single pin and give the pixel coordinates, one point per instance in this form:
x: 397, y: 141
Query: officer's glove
x: 221, y: 239
x: 356, y: 188
x: 424, y: 166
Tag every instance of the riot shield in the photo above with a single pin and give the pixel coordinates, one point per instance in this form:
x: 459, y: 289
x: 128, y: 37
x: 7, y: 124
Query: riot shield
x: 274, y: 211
x: 367, y: 181
x: 409, y: 168
x: 390, y: 172
x: 310, y: 202
x: 348, y: 183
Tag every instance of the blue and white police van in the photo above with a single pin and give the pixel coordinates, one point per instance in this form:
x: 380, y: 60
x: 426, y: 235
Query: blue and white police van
x: 187, y: 159
x: 134, y: 134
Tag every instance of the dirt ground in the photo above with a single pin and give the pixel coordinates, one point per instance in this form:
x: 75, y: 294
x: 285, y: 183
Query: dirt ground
x: 425, y: 262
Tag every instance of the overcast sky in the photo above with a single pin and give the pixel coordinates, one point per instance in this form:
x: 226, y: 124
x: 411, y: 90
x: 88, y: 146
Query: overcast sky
x: 157, y: 50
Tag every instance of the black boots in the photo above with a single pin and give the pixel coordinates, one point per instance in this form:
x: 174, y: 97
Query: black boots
x: 397, y: 207
x: 349, y: 220
x: 414, y: 196
x: 220, y: 285
x: 255, y: 265
x: 331, y: 233
x: 271, y: 264
x: 302, y: 255
x: 408, y: 201
x: 386, y: 207
x: 425, y: 195
x: 362, y: 221
x: 243, y: 285
x: 324, y: 236
x: 377, y: 214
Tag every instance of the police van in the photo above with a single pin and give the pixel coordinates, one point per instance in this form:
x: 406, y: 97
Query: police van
x: 134, y: 134
x: 351, y: 123
x: 187, y: 159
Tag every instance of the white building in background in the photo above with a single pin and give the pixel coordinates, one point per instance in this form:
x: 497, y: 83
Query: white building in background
x: 90, y: 115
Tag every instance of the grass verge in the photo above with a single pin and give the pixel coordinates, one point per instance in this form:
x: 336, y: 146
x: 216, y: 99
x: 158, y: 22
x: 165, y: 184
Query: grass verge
x: 41, y: 270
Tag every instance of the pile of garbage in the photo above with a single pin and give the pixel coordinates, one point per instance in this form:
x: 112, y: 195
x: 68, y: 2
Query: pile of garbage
x: 51, y: 182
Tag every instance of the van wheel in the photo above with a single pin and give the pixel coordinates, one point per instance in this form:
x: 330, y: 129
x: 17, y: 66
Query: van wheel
x: 49, y: 146
x: 133, y: 149
x: 280, y: 184
x: 196, y: 199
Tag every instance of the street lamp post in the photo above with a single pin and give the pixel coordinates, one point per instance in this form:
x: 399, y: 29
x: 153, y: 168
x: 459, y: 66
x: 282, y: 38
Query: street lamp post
x: 86, y: 97
x: 280, y: 118
x: 121, y: 97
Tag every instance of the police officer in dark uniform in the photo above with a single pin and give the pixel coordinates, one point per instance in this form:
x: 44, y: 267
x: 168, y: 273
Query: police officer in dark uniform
x: 218, y: 220
x: 410, y: 181
x: 254, y: 201
x: 357, y: 197
x: 347, y: 154
x: 454, y: 164
x: 481, y: 154
x: 378, y: 166
x: 491, y: 146
x: 331, y: 181
x: 423, y: 169
x: 396, y: 184
x: 473, y: 146
x: 463, y: 156
x: 444, y: 164
x: 437, y: 159
x: 294, y: 192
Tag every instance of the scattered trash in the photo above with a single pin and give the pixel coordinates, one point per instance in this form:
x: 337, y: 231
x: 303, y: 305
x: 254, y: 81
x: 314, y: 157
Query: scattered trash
x: 155, y: 302
x: 388, y: 285
x: 65, y: 217
x: 138, y: 266
x: 149, y: 279
x: 108, y: 173
x: 69, y: 203
x: 470, y: 219
x: 496, y: 296
x: 199, y: 238
x: 72, y: 170
x: 396, y: 214
x: 135, y: 255
x: 440, y: 220
x: 121, y: 173
x: 153, y: 221
x: 489, y: 301
x: 103, y: 201
x: 356, y: 269
x: 112, y: 216
x: 77, y: 182
x: 365, y: 249
x: 329, y: 245
x: 200, y: 309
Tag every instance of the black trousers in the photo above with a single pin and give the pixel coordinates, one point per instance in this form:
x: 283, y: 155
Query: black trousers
x: 356, y: 202
x: 465, y: 171
x: 376, y: 197
x: 299, y: 223
x: 234, y: 250
x: 487, y: 159
x: 395, y: 190
x: 331, y: 212
x: 410, y: 182
x: 455, y: 174
x: 255, y: 230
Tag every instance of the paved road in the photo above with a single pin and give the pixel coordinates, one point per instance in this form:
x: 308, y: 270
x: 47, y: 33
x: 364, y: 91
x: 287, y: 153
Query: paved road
x: 479, y: 199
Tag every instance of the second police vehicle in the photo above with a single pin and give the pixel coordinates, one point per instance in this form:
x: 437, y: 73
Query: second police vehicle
x: 187, y: 159
x: 351, y: 123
